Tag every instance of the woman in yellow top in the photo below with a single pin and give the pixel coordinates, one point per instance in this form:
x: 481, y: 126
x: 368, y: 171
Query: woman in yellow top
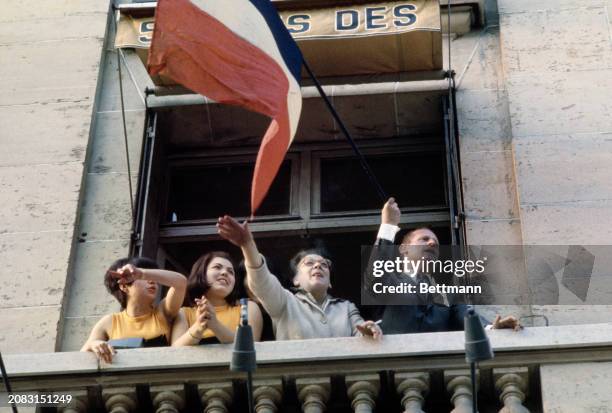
x: 135, y: 283
x: 212, y: 312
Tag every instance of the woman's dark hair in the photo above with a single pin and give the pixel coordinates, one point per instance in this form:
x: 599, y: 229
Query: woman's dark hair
x: 297, y: 258
x: 112, y: 283
x: 240, y: 288
x: 197, y: 285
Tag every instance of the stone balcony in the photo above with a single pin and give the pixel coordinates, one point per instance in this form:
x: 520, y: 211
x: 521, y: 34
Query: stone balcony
x: 534, y: 370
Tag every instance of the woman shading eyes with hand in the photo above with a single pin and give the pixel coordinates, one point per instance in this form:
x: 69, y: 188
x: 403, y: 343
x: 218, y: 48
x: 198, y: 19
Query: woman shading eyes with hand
x: 135, y: 283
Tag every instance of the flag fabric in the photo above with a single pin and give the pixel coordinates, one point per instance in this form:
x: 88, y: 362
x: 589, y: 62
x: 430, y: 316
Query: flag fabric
x: 236, y: 52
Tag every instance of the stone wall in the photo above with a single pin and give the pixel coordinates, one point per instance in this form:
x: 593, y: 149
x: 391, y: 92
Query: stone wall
x: 557, y: 62
x: 105, y: 211
x: 51, y: 52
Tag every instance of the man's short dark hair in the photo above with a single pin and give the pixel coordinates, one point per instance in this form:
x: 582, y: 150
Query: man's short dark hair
x: 112, y: 283
x: 408, y: 234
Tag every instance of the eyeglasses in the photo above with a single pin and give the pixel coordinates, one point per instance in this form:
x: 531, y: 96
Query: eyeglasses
x: 324, y: 263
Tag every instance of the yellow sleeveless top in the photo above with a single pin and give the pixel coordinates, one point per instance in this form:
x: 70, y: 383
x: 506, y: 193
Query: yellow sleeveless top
x: 152, y: 327
x: 227, y: 315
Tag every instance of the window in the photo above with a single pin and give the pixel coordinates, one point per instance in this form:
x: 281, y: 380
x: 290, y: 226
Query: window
x: 321, y: 197
x: 205, y: 192
x: 416, y: 180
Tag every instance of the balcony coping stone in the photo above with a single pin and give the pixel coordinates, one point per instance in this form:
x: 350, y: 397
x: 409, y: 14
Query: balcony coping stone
x: 309, y: 351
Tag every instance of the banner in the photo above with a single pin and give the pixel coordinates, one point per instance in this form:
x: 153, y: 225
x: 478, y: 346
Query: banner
x: 370, y: 38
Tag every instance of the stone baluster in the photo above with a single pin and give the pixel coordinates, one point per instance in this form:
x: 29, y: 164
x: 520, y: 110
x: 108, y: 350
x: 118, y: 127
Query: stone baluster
x: 313, y: 394
x: 362, y: 390
x: 412, y: 387
x: 216, y: 397
x: 168, y: 399
x: 120, y: 399
x: 267, y: 395
x: 78, y: 404
x: 459, y: 385
x: 511, y: 383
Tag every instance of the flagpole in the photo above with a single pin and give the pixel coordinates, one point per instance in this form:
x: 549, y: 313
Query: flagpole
x: 364, y: 164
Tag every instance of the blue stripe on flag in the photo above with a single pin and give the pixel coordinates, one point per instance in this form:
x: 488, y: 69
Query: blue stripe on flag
x: 287, y: 46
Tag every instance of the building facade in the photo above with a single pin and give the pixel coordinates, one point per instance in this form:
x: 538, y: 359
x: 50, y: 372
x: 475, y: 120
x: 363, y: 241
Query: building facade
x: 533, y: 119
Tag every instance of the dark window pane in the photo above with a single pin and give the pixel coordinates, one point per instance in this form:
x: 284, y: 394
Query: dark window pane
x: 414, y: 179
x: 210, y: 191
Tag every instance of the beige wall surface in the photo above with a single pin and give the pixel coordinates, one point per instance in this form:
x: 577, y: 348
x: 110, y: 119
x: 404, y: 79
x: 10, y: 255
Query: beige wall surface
x: 557, y: 62
x: 50, y: 52
x: 105, y: 213
x: 576, y: 388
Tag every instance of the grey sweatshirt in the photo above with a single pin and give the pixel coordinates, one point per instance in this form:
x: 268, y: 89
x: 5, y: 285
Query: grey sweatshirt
x: 299, y: 316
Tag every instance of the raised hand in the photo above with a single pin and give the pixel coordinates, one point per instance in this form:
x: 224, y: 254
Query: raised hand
x: 390, y: 213
x: 234, y: 232
x: 127, y: 274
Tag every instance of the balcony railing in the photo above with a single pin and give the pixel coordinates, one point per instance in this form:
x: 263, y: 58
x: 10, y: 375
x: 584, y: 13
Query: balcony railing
x: 411, y: 373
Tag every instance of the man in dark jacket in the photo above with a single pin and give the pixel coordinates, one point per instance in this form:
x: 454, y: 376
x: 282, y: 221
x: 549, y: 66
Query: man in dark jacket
x: 427, y: 312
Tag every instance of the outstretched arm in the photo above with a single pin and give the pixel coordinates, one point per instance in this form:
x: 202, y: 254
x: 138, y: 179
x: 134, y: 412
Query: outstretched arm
x: 264, y: 285
x: 383, y: 247
x: 390, y: 215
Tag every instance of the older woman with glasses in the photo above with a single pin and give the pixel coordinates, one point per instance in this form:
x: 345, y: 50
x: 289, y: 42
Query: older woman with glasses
x: 310, y: 312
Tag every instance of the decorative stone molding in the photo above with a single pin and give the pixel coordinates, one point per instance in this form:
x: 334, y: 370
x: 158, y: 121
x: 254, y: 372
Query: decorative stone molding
x: 120, y: 399
x: 459, y: 385
x: 362, y: 391
x: 267, y: 395
x: 313, y: 394
x: 512, y: 384
x: 216, y: 397
x: 412, y: 387
x: 168, y: 399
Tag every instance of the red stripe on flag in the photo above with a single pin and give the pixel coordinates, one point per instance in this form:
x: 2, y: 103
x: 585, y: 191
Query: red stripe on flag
x: 270, y: 157
x: 199, y: 52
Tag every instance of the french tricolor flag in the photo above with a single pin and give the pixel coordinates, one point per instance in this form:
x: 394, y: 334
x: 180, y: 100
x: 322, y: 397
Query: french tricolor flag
x: 236, y: 52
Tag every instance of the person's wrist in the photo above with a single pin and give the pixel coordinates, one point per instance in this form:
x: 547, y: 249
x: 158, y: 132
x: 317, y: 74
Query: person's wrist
x: 389, y: 221
x: 248, y: 244
x: 253, y: 259
x: 196, y: 333
x: 213, y: 323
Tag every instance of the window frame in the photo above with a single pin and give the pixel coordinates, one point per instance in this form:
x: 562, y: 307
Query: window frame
x: 304, y: 218
x: 215, y: 159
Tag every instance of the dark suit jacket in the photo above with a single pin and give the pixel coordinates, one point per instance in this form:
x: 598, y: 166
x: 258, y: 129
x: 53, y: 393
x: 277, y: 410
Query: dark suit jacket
x: 424, y: 316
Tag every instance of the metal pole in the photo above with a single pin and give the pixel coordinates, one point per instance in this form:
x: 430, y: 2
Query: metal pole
x: 474, y: 394
x: 250, y: 391
x: 144, y: 181
x: 364, y: 164
x: 449, y: 174
x: 7, y: 384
